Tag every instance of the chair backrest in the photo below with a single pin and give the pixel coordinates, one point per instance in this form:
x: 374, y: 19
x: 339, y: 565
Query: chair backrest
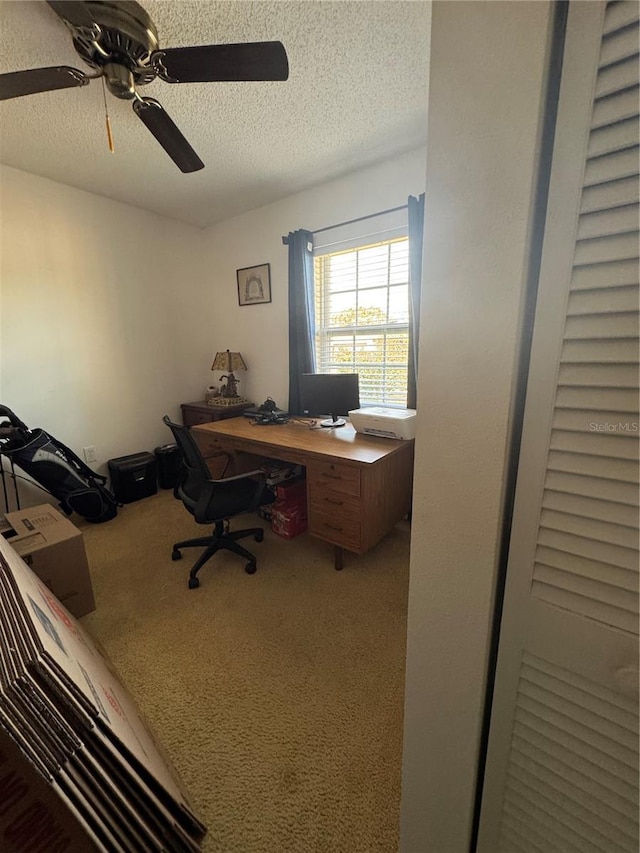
x: 196, y: 470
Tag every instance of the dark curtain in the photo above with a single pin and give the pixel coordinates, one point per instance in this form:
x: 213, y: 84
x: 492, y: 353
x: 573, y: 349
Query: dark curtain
x: 302, y: 358
x: 415, y: 213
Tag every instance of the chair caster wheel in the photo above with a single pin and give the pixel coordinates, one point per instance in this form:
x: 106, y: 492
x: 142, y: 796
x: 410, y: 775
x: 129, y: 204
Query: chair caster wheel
x: 250, y: 568
x: 259, y: 536
x: 194, y: 583
x: 176, y: 555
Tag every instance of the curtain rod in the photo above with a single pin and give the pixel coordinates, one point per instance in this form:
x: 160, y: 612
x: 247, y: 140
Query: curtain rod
x: 285, y: 240
x: 361, y: 218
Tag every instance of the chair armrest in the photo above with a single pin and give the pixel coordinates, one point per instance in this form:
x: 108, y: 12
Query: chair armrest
x: 184, y: 475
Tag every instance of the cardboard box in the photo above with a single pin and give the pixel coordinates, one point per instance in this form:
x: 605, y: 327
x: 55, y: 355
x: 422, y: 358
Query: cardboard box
x: 80, y: 771
x: 292, y: 492
x: 288, y: 521
x: 37, y: 815
x: 289, y: 512
x: 53, y: 548
x: 6, y: 529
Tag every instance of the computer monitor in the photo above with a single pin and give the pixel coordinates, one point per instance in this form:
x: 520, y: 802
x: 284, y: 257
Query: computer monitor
x: 329, y: 394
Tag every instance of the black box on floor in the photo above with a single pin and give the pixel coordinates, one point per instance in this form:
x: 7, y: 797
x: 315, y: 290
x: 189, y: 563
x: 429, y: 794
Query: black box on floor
x: 133, y: 477
x: 169, y: 464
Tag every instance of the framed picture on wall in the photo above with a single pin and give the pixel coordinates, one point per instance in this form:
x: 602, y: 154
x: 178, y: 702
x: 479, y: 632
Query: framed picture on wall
x: 254, y: 285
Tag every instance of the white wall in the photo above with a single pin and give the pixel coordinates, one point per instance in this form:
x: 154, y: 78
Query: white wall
x: 91, y: 331
x: 111, y: 315
x: 260, y: 332
x: 486, y: 76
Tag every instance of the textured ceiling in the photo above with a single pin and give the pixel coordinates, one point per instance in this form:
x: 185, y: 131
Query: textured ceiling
x: 356, y: 95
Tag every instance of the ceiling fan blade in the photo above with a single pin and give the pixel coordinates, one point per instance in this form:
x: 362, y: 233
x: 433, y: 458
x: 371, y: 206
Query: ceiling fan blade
x: 262, y: 60
x: 19, y: 83
x: 73, y: 11
x: 165, y: 131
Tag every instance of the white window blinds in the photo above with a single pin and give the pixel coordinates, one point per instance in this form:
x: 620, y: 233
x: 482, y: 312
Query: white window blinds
x: 362, y: 317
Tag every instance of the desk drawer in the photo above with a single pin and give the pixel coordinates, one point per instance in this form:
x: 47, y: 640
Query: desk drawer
x: 334, y: 504
x: 339, y: 529
x: 334, y: 477
x: 210, y: 445
x: 192, y: 418
x: 262, y: 451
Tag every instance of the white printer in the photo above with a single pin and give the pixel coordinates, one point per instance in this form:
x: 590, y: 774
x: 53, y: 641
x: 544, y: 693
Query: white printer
x: 385, y: 422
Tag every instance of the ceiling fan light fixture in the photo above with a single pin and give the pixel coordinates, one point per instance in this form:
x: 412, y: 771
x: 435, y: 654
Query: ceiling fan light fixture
x: 119, y: 81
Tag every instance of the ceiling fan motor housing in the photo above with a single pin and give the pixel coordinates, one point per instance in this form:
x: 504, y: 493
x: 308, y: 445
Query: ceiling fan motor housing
x: 126, y: 39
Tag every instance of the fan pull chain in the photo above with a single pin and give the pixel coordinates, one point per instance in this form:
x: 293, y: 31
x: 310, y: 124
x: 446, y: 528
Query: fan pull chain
x: 106, y: 115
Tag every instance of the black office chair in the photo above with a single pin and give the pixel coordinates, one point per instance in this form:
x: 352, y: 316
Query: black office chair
x: 215, y: 502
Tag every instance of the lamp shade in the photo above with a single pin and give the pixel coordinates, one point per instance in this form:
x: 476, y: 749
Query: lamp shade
x: 228, y: 361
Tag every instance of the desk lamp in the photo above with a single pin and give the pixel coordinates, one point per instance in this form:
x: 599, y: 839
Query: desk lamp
x: 229, y: 362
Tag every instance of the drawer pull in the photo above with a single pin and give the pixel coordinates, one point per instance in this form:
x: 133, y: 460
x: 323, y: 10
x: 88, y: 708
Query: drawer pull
x: 332, y: 527
x: 333, y: 476
x: 335, y: 503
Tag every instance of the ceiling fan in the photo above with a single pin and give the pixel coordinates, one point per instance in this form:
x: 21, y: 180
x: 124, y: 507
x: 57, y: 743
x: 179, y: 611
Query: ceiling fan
x: 119, y: 40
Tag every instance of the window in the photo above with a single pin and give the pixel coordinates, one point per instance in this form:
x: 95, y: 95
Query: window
x: 362, y: 317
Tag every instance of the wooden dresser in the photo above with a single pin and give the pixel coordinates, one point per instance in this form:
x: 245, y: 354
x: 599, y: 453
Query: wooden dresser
x: 201, y: 413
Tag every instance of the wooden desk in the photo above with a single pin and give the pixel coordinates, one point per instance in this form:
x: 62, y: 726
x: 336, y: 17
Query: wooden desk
x: 358, y: 486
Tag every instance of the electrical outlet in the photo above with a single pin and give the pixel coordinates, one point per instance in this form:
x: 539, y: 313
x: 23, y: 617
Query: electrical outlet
x: 89, y: 454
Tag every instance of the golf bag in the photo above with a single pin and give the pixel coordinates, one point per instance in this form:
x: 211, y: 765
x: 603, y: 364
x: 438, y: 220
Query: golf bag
x: 57, y: 469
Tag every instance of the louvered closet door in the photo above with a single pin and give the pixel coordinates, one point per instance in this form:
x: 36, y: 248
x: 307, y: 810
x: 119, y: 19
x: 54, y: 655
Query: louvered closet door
x: 562, y: 765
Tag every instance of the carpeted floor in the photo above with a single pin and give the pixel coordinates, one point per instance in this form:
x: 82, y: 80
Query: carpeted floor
x: 278, y: 696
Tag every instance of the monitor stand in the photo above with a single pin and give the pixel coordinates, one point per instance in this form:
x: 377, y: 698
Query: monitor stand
x: 333, y: 421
